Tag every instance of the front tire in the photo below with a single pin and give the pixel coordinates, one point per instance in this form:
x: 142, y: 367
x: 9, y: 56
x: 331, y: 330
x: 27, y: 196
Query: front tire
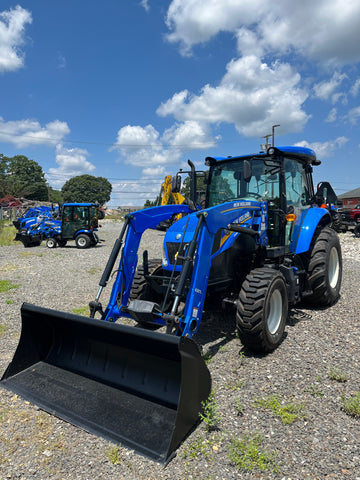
x: 262, y: 309
x: 51, y: 243
x: 324, y: 269
x: 82, y: 241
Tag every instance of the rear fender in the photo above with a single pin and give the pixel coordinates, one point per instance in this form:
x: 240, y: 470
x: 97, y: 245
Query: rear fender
x: 305, y: 228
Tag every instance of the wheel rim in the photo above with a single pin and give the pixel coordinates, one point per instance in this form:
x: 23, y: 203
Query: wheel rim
x: 334, y: 267
x: 275, y: 312
x: 82, y: 242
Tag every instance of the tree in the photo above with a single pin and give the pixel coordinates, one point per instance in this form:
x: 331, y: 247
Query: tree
x: 87, y: 188
x: 201, y: 184
x: 55, y: 195
x: 20, y: 176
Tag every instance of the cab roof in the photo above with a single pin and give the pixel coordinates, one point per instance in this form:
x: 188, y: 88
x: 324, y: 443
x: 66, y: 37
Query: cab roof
x: 302, y: 154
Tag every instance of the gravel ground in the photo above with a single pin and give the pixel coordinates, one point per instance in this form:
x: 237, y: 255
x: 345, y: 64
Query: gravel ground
x: 322, y: 442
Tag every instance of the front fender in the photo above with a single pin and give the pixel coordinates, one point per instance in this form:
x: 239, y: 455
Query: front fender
x: 305, y: 228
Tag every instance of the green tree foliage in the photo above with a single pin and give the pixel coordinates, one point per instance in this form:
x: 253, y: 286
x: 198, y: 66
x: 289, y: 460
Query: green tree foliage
x: 22, y: 177
x: 201, y: 183
x: 150, y: 203
x: 55, y: 195
x: 87, y: 188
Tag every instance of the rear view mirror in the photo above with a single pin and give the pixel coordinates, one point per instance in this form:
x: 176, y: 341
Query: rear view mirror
x: 176, y: 183
x: 247, y: 171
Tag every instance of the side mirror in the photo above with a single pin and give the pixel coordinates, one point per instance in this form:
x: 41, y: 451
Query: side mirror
x: 176, y: 183
x: 247, y: 171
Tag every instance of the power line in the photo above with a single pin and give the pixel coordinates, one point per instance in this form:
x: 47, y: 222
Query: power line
x: 119, y: 145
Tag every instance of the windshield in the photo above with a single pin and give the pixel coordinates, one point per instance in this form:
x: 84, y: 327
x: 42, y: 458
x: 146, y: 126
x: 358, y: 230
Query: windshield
x: 227, y: 182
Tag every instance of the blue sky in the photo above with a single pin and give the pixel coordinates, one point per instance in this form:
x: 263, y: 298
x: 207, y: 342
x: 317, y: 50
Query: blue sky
x: 130, y: 89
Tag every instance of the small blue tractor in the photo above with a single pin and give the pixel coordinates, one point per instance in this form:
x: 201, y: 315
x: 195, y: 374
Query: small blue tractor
x: 78, y: 221
x: 261, y: 244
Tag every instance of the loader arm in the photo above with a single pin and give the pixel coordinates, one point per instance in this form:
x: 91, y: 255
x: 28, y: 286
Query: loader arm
x: 249, y: 216
x: 137, y: 223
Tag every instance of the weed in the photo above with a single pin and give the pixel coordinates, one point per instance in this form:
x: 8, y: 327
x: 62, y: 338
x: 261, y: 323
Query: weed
x: 93, y: 270
x: 9, y: 302
x: 351, y: 405
x: 237, y: 385
x: 6, y: 285
x: 239, y: 407
x: 210, y: 415
x: 82, y: 311
x: 113, y: 454
x: 208, y: 356
x: 288, y: 412
x: 2, y: 329
x: 246, y: 454
x: 314, y: 391
x: 202, y: 447
x: 242, y: 357
x: 337, y: 375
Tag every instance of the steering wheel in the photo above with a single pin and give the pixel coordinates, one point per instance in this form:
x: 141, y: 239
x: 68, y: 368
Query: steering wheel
x: 256, y: 195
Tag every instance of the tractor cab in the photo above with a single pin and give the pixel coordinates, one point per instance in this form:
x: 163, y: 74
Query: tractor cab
x: 79, y: 221
x: 281, y: 177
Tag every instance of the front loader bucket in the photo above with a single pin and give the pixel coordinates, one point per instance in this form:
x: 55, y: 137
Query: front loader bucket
x: 136, y: 387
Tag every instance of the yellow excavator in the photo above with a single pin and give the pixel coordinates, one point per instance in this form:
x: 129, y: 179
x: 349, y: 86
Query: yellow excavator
x: 170, y: 195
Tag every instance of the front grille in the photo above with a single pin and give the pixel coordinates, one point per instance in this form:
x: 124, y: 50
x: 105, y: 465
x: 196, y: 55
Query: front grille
x: 174, y: 250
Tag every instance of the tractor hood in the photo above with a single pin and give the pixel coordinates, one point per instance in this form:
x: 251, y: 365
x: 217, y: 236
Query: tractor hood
x: 247, y: 214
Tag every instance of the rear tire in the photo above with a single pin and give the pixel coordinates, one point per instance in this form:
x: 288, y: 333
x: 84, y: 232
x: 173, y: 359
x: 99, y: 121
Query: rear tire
x: 262, y: 310
x: 324, y: 269
x: 82, y: 241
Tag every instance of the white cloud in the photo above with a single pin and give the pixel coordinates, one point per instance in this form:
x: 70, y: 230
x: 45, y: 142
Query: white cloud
x: 196, y: 21
x: 332, y: 116
x: 145, y: 4
x: 252, y: 95
x: 355, y: 88
x: 72, y: 162
x: 190, y: 134
x: 325, y: 30
x: 326, y: 89
x: 144, y: 146
x: 324, y: 149
x: 354, y: 115
x: 29, y: 132
x: 12, y: 36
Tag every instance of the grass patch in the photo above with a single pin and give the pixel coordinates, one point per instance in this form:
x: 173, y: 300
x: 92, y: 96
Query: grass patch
x: 337, y: 375
x: 246, y: 454
x: 7, y: 234
x: 314, y: 391
x: 113, y: 454
x: 351, y: 405
x: 287, y: 412
x: 202, y: 447
x: 210, y: 415
x: 208, y: 356
x: 2, y: 330
x: 85, y: 311
x: 93, y: 270
x: 6, y: 285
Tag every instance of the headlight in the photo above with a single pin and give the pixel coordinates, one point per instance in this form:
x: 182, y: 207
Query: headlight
x: 164, y: 258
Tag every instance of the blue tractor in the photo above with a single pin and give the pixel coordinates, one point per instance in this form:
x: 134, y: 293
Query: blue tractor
x: 76, y: 221
x: 261, y: 244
